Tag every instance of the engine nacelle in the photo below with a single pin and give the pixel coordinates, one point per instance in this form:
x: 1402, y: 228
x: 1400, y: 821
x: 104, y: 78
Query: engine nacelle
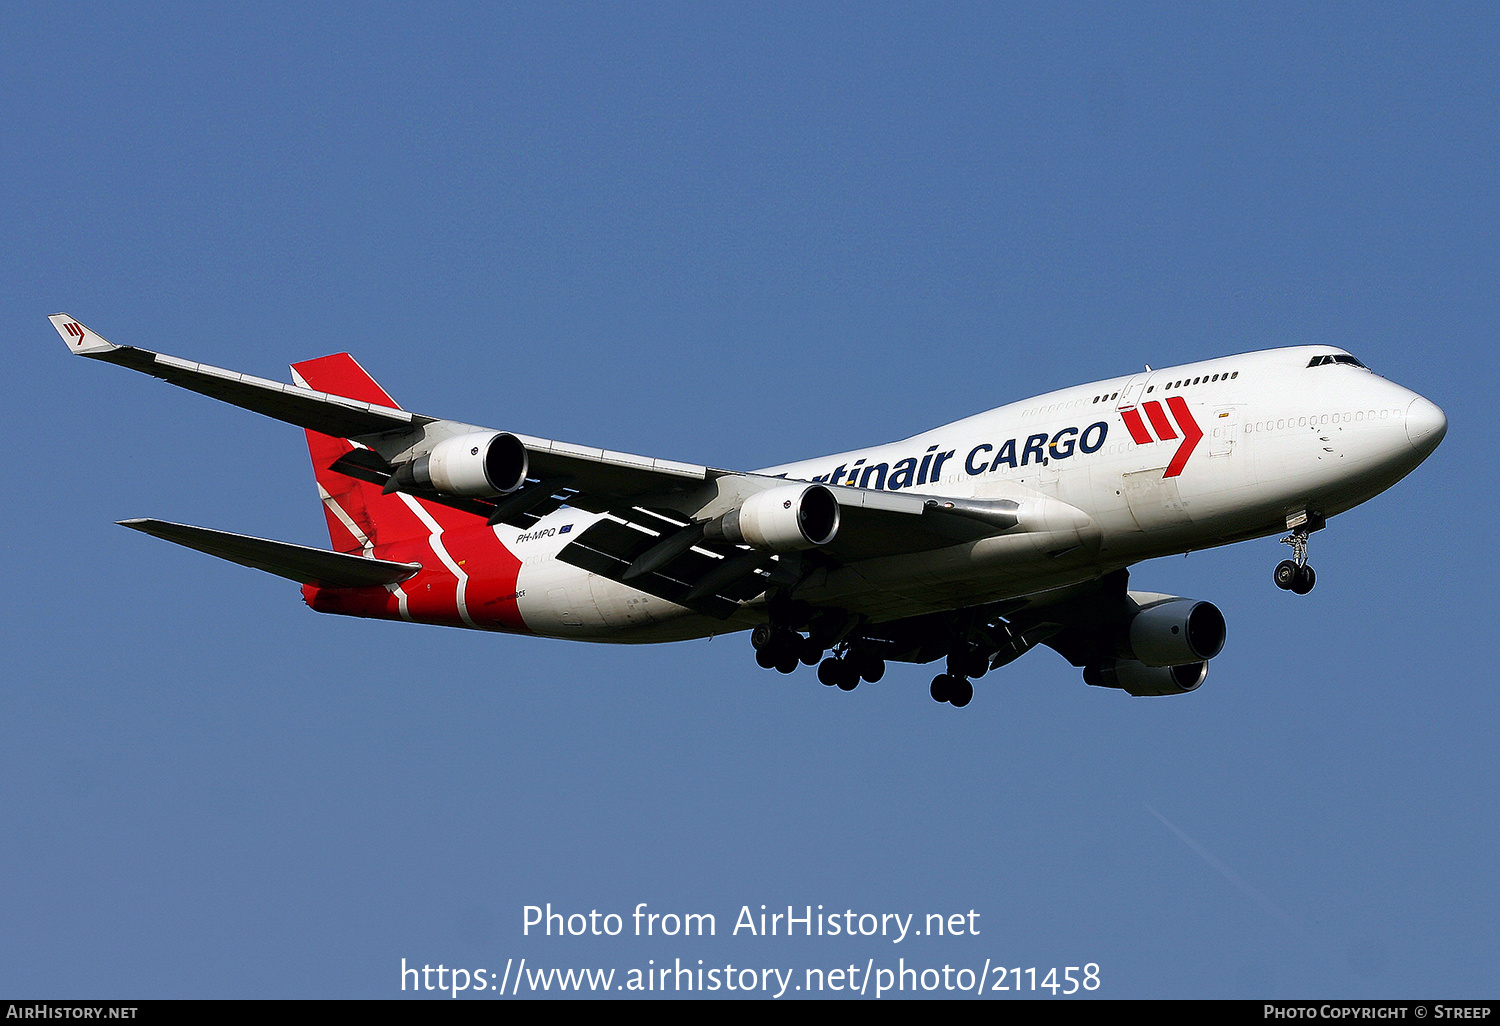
x: 478, y: 465
x: 782, y: 519
x: 1136, y: 678
x: 1177, y: 632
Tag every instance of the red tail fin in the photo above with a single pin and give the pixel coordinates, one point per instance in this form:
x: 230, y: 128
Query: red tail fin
x: 359, y: 516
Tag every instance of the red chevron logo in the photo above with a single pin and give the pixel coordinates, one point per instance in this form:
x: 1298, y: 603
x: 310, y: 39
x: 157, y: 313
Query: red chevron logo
x: 1192, y: 434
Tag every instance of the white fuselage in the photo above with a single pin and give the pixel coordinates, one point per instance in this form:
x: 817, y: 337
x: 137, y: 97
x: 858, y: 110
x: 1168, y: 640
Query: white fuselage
x: 1106, y: 475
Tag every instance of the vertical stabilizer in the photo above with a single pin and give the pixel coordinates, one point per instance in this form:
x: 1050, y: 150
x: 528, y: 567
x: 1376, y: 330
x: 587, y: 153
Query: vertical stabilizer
x: 359, y: 516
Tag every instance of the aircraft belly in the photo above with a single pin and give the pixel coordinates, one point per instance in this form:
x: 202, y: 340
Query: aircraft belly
x: 987, y: 570
x: 562, y: 601
x: 617, y: 606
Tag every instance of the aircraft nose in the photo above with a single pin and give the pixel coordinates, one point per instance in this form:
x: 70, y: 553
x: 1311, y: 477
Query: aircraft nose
x: 1425, y: 425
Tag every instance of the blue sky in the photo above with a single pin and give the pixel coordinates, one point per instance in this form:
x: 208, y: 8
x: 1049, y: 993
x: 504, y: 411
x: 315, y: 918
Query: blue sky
x: 737, y: 235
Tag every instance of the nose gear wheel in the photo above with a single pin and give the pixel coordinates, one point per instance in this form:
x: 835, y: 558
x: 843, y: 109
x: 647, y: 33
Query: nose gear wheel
x: 1295, y: 575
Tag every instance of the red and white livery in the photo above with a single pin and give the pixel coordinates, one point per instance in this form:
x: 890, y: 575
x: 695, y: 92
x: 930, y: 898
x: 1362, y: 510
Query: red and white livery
x: 972, y: 542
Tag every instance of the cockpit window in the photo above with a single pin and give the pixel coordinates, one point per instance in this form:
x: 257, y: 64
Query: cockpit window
x: 1319, y: 361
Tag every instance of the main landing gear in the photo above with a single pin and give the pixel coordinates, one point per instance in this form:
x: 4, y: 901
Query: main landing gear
x: 1296, y: 575
x: 782, y: 649
x: 847, y: 670
x: 954, y: 686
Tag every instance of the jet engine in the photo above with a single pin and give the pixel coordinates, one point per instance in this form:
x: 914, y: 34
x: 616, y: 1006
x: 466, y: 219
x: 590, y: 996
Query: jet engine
x: 1176, y: 632
x: 1163, y: 649
x: 1136, y: 678
x: 781, y: 519
x: 478, y: 465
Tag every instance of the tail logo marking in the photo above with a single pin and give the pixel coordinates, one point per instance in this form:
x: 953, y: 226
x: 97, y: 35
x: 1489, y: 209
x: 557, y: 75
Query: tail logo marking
x: 76, y: 330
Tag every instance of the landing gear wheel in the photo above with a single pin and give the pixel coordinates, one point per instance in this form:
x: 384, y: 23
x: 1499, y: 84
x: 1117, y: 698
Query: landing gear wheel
x: 961, y: 693
x: 1306, y: 578
x: 839, y: 673
x: 1294, y: 574
x: 872, y: 669
x: 780, y: 648
x: 811, y: 652
x: 848, y: 676
x: 941, y: 685
x: 828, y: 672
x: 762, y: 637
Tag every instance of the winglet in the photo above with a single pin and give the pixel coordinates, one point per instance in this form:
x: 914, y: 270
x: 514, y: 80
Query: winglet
x: 79, y: 339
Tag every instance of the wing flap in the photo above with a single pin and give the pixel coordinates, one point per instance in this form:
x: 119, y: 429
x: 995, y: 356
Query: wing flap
x: 301, y: 563
x: 709, y: 577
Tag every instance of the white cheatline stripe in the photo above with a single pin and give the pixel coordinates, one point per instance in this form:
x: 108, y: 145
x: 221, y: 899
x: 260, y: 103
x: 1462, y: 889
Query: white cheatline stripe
x: 365, y: 543
x: 436, y: 541
x: 346, y: 520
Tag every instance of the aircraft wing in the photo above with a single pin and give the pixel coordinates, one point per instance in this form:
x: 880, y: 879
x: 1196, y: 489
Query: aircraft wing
x: 878, y: 523
x: 330, y: 414
x: 664, y: 551
x: 590, y: 478
x: 656, y: 508
x: 597, y: 480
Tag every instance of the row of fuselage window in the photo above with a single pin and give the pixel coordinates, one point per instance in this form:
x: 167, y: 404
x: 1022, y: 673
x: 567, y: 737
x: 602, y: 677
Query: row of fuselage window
x: 1204, y: 379
x: 1316, y: 421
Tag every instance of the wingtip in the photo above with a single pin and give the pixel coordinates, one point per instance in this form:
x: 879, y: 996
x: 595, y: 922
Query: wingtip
x: 80, y: 340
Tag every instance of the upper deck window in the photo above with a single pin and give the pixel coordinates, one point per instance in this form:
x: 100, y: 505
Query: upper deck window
x: 1319, y: 361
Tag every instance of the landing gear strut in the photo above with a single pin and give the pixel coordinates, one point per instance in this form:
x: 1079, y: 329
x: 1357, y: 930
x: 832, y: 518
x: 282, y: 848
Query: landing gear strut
x: 1295, y: 574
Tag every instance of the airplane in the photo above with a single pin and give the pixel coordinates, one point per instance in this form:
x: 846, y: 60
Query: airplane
x: 973, y: 542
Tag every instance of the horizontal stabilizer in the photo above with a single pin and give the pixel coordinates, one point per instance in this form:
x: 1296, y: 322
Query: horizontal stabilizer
x: 301, y: 563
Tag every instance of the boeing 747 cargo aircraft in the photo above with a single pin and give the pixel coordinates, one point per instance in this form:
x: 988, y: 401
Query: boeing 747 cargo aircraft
x: 971, y: 543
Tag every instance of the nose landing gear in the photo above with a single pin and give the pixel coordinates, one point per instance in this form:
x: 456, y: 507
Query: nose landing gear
x: 1296, y: 575
x: 1298, y: 580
